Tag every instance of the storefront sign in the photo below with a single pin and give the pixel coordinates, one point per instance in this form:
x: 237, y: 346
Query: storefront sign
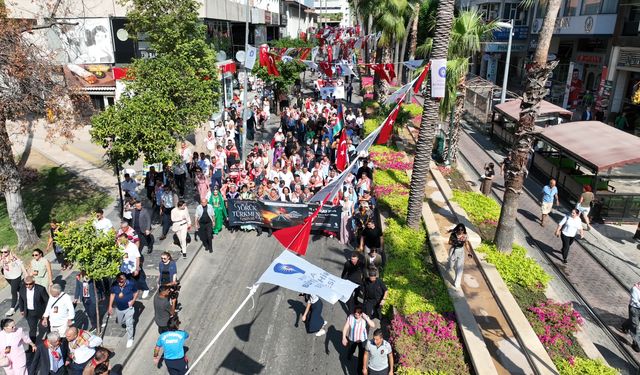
x: 502, y: 47
x: 590, y: 59
x: 519, y: 33
x: 629, y: 58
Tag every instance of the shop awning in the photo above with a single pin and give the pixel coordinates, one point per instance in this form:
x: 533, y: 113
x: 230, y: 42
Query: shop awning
x: 511, y: 110
x: 593, y: 143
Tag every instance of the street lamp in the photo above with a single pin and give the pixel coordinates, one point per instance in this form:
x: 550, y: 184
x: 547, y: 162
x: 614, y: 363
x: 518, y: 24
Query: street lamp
x: 505, y: 25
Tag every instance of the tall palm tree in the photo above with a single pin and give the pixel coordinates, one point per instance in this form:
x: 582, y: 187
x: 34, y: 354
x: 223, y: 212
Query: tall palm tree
x: 468, y: 31
x: 538, y: 72
x: 427, y: 131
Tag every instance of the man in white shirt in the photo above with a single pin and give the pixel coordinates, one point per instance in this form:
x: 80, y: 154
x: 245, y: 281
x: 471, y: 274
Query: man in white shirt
x: 129, y: 185
x: 101, y: 223
x: 305, y: 176
x: 82, y: 346
x: 185, y: 152
x: 131, y: 256
x: 59, y: 313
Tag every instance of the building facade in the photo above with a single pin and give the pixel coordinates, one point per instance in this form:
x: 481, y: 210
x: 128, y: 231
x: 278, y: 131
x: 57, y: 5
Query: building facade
x: 334, y: 13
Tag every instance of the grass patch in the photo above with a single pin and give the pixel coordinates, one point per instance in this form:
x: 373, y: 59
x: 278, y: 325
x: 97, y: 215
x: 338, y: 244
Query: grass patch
x: 516, y: 268
x: 414, y: 283
x: 55, y: 192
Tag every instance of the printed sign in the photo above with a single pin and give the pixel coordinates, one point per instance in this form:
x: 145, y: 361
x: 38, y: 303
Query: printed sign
x: 438, y: 77
x: 243, y: 212
x: 279, y: 215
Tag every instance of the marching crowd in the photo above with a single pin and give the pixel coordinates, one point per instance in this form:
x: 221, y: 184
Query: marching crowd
x: 298, y: 161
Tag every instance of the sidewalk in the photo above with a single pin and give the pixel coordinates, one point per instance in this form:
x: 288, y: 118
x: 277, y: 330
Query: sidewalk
x: 599, y: 287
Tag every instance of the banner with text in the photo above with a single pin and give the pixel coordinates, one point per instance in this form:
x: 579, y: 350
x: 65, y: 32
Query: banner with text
x: 279, y: 215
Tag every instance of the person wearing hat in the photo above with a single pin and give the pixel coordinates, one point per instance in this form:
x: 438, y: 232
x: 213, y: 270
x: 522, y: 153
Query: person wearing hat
x: 375, y: 293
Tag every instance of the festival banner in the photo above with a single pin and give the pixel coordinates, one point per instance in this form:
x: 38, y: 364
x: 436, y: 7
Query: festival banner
x: 283, y: 214
x: 328, y: 218
x: 294, y: 273
x: 244, y: 212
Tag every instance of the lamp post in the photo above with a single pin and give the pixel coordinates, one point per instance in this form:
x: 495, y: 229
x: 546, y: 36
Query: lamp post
x: 506, y: 25
x: 246, y: 83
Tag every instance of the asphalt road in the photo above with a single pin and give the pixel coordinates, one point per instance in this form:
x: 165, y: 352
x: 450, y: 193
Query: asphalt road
x: 266, y: 339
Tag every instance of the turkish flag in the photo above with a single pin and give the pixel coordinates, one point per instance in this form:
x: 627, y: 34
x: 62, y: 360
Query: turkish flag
x: 421, y: 78
x: 271, y: 65
x: 326, y: 69
x: 379, y: 69
x: 329, y: 54
x: 391, y: 71
x: 264, y: 53
x: 296, y: 238
x: 387, y: 127
x: 342, y: 157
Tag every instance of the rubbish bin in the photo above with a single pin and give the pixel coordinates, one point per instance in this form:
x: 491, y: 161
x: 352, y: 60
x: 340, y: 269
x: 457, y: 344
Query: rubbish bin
x: 438, y: 147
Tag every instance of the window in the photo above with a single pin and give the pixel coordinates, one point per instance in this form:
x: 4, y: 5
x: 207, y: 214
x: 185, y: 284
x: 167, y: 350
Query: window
x: 571, y: 8
x: 599, y: 7
x: 541, y: 10
x: 516, y: 12
x: 489, y: 11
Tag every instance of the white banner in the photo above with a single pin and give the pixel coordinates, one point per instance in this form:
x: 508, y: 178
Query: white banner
x: 438, y: 77
x: 250, y: 59
x: 314, y: 53
x: 294, y: 273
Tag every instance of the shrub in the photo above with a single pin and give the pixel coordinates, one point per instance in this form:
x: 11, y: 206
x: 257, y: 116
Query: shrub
x: 516, y: 268
x: 410, y: 371
x: 427, y: 341
x: 389, y: 177
x: 527, y: 297
x: 413, y: 284
x: 584, y: 366
x: 480, y: 208
x: 387, y: 158
x: 555, y: 324
x: 370, y: 125
x: 413, y: 109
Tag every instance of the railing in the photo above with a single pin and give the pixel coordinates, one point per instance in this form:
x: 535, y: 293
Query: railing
x: 619, y: 207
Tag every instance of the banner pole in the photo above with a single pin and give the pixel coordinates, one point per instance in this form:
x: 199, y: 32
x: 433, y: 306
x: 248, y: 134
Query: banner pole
x: 252, y: 291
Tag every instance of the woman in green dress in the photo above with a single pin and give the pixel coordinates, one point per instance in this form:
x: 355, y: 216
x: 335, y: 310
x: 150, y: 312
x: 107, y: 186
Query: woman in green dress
x: 217, y: 202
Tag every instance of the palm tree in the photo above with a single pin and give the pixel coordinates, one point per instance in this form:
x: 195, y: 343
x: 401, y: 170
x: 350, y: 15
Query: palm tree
x: 468, y: 30
x: 427, y: 131
x: 537, y: 74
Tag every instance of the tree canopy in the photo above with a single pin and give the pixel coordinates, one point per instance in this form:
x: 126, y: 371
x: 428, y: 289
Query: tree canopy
x: 168, y: 96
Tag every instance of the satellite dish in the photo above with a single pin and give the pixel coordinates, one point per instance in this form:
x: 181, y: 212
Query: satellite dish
x: 221, y: 56
x: 240, y: 56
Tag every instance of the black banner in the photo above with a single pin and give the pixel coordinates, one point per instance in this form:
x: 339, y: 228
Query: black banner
x: 242, y: 212
x: 328, y: 217
x: 283, y: 214
x: 279, y: 215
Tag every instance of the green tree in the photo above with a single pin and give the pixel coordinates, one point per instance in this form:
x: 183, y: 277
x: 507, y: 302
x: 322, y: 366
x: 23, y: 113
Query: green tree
x: 468, y: 31
x: 289, y: 75
x: 538, y: 72
x: 426, y: 135
x: 169, y: 95
x: 94, y: 252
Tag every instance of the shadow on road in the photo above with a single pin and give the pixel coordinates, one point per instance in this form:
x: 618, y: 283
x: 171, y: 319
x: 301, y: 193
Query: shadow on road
x: 240, y: 363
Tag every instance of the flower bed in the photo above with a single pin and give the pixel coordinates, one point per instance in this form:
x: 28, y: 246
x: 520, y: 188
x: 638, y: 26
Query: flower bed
x: 427, y: 341
x: 555, y: 324
x: 422, y: 332
x: 516, y: 268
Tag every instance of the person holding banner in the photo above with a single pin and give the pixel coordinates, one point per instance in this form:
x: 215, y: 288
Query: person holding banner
x: 354, y: 333
x: 312, y: 316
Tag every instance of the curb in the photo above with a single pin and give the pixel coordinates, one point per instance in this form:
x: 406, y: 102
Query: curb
x: 537, y: 354
x: 481, y: 360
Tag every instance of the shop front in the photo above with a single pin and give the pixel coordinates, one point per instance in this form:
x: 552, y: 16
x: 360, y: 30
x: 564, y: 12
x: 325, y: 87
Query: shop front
x: 626, y: 81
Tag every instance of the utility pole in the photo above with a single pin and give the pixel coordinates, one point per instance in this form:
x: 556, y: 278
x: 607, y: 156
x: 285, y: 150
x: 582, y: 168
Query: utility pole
x: 246, y: 83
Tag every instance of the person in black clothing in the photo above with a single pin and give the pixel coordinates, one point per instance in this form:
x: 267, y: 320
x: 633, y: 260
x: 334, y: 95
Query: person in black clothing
x: 375, y: 293
x: 32, y: 303
x: 371, y: 237
x: 55, y: 347
x: 204, y: 219
x: 353, y: 271
x: 251, y: 127
x: 164, y: 308
x: 141, y: 220
x: 365, y: 169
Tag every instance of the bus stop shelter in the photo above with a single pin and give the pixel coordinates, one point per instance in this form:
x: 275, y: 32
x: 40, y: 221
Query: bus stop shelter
x: 595, y: 154
x: 509, y: 114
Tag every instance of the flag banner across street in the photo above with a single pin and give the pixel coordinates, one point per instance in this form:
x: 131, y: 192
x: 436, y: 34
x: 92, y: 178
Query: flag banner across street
x: 294, y: 273
x: 278, y: 215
